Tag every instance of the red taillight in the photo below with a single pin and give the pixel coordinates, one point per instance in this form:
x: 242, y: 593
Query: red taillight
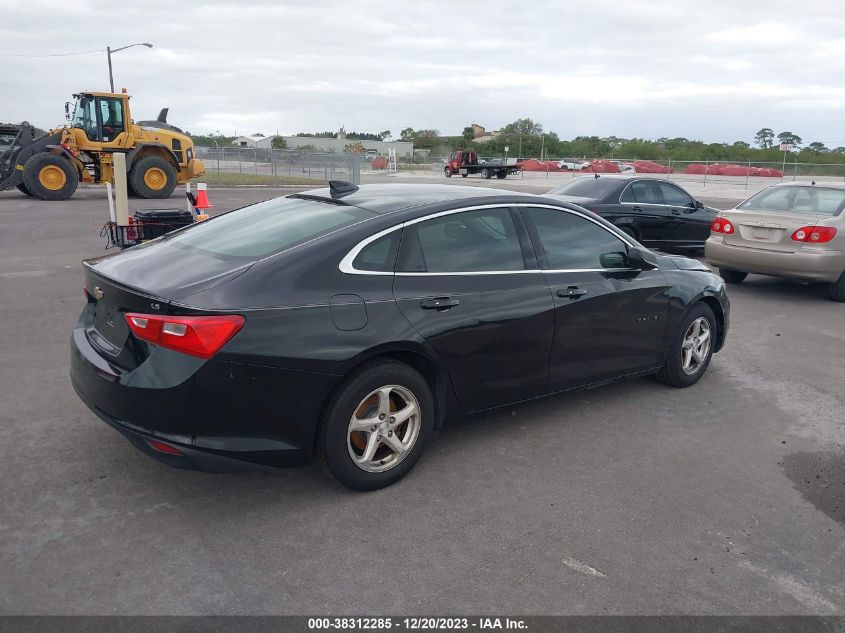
x: 161, y: 447
x: 721, y: 225
x: 814, y: 234
x: 201, y: 336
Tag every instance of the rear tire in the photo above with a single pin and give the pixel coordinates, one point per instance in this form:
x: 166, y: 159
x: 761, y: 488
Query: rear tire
x: 50, y: 177
x: 485, y: 173
x: 732, y: 276
x: 464, y: 175
x: 689, y: 356
x: 502, y: 175
x: 152, y: 177
x: 836, y: 291
x: 369, y: 398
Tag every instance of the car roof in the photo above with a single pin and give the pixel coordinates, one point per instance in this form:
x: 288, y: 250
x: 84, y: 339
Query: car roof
x: 394, y: 197
x: 828, y: 185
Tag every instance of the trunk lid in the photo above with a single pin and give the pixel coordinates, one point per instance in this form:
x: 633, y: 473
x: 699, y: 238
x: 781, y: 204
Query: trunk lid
x: 767, y: 230
x: 145, y: 279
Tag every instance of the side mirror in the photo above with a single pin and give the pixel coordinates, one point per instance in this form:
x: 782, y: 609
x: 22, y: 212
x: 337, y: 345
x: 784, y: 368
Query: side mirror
x: 698, y: 204
x: 641, y: 259
x: 613, y: 260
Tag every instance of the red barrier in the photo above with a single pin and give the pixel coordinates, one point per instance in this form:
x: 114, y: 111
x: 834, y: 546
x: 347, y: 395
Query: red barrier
x: 379, y: 162
x: 717, y: 169
x: 603, y: 167
x: 649, y: 167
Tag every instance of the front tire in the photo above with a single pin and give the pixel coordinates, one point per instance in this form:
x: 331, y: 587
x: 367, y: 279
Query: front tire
x: 692, y: 348
x: 447, y: 172
x: 152, y: 177
x: 22, y: 188
x: 732, y: 276
x: 376, y: 426
x: 50, y: 177
x: 836, y: 291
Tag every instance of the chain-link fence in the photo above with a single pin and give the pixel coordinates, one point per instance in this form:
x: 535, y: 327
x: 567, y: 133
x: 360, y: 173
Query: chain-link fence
x: 247, y: 165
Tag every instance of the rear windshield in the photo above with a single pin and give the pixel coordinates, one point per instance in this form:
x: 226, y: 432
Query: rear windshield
x: 589, y: 187
x: 812, y: 200
x: 267, y: 227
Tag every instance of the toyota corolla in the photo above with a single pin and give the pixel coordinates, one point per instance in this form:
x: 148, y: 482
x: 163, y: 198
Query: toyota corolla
x: 348, y: 324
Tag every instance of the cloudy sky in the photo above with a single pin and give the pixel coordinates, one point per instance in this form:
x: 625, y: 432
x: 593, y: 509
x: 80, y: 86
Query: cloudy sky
x: 711, y: 70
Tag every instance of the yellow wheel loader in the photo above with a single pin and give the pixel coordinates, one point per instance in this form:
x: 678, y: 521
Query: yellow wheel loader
x: 158, y: 155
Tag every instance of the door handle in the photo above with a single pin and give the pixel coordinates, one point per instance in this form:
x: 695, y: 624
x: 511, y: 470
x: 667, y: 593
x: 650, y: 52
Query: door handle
x: 439, y: 303
x: 635, y: 208
x: 573, y: 292
x: 675, y: 212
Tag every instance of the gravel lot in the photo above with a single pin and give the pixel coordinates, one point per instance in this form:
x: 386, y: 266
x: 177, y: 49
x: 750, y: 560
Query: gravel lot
x: 725, y: 498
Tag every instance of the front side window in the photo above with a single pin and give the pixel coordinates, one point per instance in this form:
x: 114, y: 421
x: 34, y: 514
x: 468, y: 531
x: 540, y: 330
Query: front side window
x: 484, y: 240
x: 85, y: 117
x: 573, y: 242
x: 813, y: 200
x: 674, y: 196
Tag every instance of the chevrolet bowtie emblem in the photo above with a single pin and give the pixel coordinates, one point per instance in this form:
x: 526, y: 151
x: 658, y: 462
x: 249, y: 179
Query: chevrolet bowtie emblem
x: 98, y: 294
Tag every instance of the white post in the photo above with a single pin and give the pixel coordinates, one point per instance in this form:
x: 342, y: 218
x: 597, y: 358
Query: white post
x: 121, y: 197
x: 110, y: 192
x: 187, y: 198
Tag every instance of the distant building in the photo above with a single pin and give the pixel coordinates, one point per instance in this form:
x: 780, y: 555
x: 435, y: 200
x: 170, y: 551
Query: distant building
x: 250, y: 141
x: 338, y: 145
x: 481, y: 135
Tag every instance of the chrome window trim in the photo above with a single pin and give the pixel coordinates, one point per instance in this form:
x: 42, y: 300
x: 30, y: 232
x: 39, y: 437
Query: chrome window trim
x: 346, y: 266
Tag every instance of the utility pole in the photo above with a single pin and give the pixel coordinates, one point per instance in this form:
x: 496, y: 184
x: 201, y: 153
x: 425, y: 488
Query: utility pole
x: 110, y: 50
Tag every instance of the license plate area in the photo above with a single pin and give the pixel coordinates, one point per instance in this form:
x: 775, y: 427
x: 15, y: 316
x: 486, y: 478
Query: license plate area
x: 110, y: 324
x: 758, y: 233
x: 463, y: 171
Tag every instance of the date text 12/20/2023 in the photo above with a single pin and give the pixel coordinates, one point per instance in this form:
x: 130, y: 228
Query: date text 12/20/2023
x: 416, y: 623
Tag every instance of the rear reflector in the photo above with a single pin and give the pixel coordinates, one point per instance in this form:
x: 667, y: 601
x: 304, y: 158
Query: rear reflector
x: 814, y: 234
x: 201, y: 336
x: 161, y: 447
x: 721, y: 225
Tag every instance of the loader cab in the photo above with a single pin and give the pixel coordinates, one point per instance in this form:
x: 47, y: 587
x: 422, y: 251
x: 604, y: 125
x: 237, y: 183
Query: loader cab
x: 102, y: 117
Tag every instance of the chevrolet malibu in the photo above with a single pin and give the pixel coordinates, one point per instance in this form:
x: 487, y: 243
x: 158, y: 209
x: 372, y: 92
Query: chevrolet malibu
x: 351, y: 323
x: 788, y: 230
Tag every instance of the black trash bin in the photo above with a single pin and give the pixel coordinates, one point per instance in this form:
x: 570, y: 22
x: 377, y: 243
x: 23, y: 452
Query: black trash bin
x: 153, y: 223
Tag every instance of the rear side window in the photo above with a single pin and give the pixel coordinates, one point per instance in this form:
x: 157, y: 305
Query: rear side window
x: 472, y: 241
x: 267, y: 227
x: 379, y: 255
x: 572, y: 242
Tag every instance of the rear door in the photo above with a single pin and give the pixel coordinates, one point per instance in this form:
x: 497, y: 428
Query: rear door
x: 644, y: 202
x: 609, y: 318
x: 468, y: 283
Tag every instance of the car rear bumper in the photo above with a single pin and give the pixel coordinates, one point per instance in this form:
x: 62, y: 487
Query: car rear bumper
x: 222, y: 417
x: 806, y: 264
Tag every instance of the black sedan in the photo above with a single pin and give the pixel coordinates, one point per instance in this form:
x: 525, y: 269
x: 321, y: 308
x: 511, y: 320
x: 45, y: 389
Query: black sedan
x: 350, y: 323
x: 657, y: 213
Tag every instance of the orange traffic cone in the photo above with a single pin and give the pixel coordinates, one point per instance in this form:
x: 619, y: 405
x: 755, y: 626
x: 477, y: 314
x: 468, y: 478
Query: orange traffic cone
x: 202, y: 198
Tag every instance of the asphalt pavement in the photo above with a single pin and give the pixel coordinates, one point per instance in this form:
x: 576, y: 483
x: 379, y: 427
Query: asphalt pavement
x: 724, y: 498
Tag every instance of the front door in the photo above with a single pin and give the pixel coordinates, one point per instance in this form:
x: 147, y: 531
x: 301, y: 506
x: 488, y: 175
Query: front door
x: 692, y: 222
x: 609, y: 318
x: 463, y: 282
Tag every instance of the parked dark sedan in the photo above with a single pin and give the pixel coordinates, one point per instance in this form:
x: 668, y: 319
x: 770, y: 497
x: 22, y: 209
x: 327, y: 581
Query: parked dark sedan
x: 657, y: 213
x: 351, y: 323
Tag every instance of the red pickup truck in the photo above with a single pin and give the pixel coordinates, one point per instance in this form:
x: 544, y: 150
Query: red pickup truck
x: 464, y: 163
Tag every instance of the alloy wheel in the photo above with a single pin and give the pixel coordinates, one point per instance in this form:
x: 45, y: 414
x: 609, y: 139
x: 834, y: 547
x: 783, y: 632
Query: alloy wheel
x: 383, y: 429
x: 695, y: 348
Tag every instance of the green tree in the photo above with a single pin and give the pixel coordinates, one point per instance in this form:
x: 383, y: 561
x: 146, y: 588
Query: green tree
x: 764, y: 138
x: 790, y: 139
x: 407, y: 135
x: 278, y: 142
x: 522, y: 127
x: 741, y: 145
x: 354, y: 148
x: 385, y: 135
x: 468, y: 133
x: 818, y: 147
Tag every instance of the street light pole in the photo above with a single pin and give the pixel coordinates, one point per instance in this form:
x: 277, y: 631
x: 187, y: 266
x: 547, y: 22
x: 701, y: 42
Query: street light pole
x: 110, y: 50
